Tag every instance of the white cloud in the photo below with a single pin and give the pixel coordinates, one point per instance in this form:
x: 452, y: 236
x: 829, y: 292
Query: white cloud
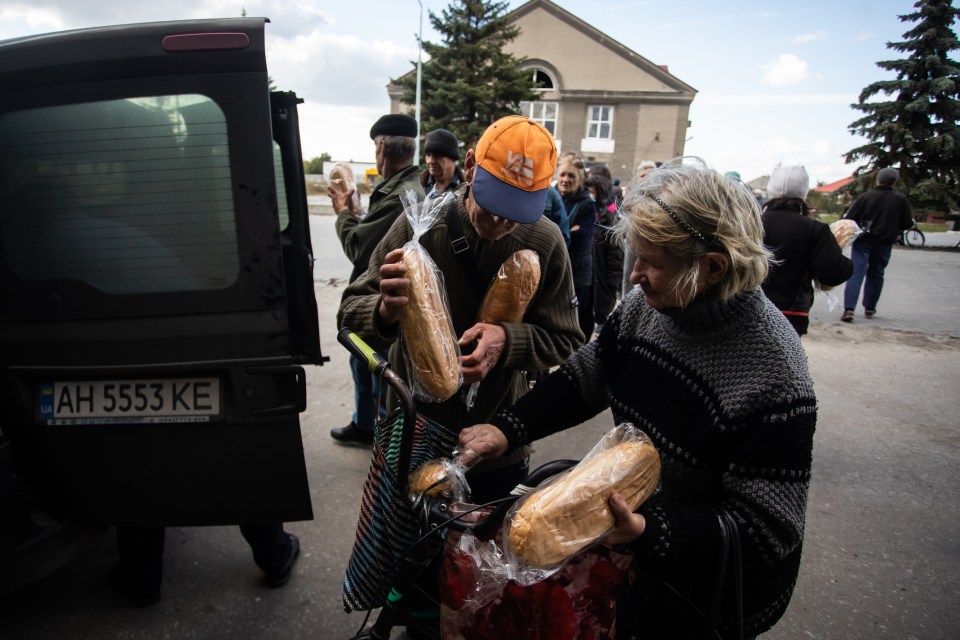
x: 19, y: 19
x: 821, y: 147
x: 864, y: 36
x: 337, y: 69
x: 810, y: 37
x: 786, y: 69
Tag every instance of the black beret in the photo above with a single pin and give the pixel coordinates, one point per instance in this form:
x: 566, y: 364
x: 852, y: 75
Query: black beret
x: 394, y: 124
x: 442, y: 143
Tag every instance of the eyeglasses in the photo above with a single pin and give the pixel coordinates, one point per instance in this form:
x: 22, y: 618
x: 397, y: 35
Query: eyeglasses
x: 710, y: 241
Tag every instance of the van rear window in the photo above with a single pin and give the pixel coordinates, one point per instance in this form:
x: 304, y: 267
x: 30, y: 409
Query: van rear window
x: 128, y: 196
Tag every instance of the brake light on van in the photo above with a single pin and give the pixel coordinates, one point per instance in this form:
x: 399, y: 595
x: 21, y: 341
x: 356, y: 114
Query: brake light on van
x: 205, y: 41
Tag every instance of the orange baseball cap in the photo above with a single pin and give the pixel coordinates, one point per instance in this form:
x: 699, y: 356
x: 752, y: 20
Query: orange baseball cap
x: 516, y: 159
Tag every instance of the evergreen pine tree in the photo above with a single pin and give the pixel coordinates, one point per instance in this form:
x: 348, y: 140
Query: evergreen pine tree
x: 916, y: 131
x: 469, y: 80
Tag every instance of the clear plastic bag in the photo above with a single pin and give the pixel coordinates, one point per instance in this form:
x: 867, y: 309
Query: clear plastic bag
x: 343, y: 181
x: 439, y: 476
x: 426, y: 330
x: 507, y: 297
x: 845, y: 232
x: 570, y: 512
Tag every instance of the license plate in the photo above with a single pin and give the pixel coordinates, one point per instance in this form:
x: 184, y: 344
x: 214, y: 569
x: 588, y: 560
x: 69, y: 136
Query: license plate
x: 129, y: 401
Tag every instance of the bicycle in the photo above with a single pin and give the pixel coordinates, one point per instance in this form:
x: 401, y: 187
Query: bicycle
x: 912, y: 237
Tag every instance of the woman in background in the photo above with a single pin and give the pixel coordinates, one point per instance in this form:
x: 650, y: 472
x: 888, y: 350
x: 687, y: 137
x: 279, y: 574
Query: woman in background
x: 805, y: 249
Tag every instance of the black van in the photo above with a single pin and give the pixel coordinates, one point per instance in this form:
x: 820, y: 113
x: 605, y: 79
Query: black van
x: 156, y: 287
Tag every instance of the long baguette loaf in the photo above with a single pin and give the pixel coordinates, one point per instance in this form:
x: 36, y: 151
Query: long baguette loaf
x: 427, y: 331
x: 508, y: 295
x: 557, y: 521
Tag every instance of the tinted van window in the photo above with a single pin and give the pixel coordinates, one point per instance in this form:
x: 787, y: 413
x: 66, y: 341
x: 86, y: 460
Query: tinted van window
x: 127, y: 196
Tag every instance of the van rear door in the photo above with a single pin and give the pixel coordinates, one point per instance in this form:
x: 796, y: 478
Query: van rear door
x: 156, y: 275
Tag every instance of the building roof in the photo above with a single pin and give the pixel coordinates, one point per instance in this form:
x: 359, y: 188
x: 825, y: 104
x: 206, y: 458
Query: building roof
x: 833, y: 186
x: 659, y: 71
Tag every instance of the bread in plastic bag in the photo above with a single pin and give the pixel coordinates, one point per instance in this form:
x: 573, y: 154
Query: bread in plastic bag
x: 426, y: 330
x: 342, y: 180
x: 507, y: 296
x: 510, y: 292
x: 570, y: 512
x: 845, y: 231
x: 440, y: 476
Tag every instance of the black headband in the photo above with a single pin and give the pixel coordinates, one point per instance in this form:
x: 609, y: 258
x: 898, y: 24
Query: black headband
x: 710, y: 241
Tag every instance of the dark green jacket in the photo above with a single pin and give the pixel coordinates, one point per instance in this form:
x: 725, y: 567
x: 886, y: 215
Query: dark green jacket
x: 360, y: 236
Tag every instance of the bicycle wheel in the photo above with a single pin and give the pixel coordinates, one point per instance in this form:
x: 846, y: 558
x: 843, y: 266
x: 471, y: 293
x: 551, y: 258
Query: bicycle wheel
x: 914, y: 237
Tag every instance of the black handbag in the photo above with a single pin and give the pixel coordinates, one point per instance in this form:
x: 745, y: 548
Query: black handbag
x: 728, y: 574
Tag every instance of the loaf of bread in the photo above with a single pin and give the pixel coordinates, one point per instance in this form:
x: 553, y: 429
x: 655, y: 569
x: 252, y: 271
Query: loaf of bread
x: 439, y: 476
x: 844, y: 231
x: 431, y: 478
x: 342, y: 181
x: 509, y: 294
x: 558, y: 520
x: 433, y: 355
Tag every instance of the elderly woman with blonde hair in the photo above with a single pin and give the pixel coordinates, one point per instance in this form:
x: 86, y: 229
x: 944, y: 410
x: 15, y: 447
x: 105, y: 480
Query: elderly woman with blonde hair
x: 698, y: 359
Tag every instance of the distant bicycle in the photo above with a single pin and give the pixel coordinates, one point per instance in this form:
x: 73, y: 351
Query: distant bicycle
x: 912, y: 237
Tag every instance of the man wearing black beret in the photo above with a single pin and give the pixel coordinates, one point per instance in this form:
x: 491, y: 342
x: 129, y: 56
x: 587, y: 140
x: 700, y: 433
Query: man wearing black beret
x: 395, y: 137
x: 441, y: 154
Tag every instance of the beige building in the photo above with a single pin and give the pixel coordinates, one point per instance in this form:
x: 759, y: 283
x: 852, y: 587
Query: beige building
x: 599, y: 98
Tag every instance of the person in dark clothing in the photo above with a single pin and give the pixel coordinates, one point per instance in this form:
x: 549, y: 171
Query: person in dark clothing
x: 883, y: 214
x: 699, y: 360
x: 441, y: 153
x: 140, y: 549
x: 582, y: 213
x: 554, y: 211
x: 607, y: 252
x: 804, y: 248
x: 394, y: 136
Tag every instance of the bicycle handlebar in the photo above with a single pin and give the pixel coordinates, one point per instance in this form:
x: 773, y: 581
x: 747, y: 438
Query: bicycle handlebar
x: 380, y: 367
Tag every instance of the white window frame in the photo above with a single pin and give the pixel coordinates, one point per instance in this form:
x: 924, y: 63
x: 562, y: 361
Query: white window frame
x: 598, y: 117
x: 537, y: 111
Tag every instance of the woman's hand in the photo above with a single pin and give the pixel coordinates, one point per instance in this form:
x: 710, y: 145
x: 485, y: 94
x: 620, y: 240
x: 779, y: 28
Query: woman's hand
x: 629, y: 526
x: 393, y: 288
x: 481, y: 442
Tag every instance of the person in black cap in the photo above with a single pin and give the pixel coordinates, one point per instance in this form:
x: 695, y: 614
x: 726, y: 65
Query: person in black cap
x: 882, y: 213
x: 441, y: 154
x: 395, y: 138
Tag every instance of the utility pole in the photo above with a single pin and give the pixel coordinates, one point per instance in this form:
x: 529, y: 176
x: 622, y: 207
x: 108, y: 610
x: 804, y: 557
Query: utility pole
x: 416, y: 154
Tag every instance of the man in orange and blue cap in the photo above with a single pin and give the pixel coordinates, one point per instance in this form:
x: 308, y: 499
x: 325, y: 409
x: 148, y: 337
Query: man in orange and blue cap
x: 495, y: 212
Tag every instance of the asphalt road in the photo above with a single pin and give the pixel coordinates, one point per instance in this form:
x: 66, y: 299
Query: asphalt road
x: 881, y: 552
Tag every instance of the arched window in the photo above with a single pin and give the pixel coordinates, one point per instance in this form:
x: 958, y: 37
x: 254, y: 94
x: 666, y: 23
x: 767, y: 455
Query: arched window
x: 542, y: 80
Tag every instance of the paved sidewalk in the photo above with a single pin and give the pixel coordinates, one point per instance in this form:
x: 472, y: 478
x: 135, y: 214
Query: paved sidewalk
x: 920, y: 293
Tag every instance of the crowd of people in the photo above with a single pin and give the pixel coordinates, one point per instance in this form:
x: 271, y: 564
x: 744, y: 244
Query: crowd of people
x: 676, y: 302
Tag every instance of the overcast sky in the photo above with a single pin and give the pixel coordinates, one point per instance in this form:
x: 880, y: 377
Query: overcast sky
x: 775, y: 78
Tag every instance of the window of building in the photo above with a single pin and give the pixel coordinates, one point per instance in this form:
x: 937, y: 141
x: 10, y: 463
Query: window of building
x: 543, y: 112
x: 542, y: 80
x: 600, y: 122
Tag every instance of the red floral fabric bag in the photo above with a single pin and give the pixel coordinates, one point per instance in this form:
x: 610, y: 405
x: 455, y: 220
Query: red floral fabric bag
x: 578, y: 602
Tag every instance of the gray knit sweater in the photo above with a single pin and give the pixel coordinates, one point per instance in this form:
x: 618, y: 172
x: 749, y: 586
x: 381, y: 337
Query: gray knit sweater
x: 724, y: 392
